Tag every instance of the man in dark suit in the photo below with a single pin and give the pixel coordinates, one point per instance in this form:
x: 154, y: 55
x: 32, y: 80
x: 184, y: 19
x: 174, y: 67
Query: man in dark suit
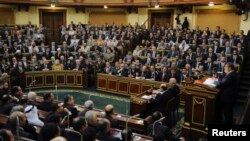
x: 235, y: 58
x: 226, y: 96
x: 211, y: 55
x: 96, y: 47
x: 163, y: 75
x: 109, y: 111
x: 161, y: 132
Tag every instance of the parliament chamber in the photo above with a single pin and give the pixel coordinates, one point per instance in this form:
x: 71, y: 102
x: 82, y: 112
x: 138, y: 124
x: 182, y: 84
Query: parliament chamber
x: 123, y: 70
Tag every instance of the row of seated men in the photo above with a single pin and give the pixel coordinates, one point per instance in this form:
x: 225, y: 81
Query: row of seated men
x: 89, y: 123
x: 177, y: 42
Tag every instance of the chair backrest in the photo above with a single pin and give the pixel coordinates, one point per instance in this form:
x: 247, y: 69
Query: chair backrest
x: 72, y: 135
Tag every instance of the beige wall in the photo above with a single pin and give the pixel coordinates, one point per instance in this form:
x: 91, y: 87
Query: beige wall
x: 22, y: 17
x: 245, y: 25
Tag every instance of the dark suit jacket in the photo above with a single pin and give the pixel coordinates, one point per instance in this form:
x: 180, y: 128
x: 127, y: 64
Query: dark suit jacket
x: 89, y: 134
x: 161, y: 132
x: 94, y: 48
x: 228, y: 87
x: 104, y: 137
x: 114, y: 123
x: 159, y: 102
x: 213, y: 56
x: 163, y: 78
x: 238, y: 59
x: 207, y: 66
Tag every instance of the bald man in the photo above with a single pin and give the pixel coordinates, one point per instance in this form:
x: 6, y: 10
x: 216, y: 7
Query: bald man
x: 166, y: 92
x: 172, y: 87
x: 109, y: 111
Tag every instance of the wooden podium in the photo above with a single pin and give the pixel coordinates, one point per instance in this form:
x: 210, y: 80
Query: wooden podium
x: 199, y: 110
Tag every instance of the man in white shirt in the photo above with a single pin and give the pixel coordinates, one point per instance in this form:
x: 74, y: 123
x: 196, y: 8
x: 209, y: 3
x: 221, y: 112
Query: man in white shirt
x: 31, y: 111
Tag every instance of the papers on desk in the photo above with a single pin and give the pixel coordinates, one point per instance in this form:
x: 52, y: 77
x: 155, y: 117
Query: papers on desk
x: 118, y: 135
x: 210, y: 82
x: 147, y: 97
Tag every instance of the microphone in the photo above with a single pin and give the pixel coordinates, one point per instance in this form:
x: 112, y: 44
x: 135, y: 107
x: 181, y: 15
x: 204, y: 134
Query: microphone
x: 31, y: 84
x: 56, y: 92
x: 17, y: 128
x: 90, y: 96
x: 155, y: 123
x: 137, y: 115
x: 145, y: 91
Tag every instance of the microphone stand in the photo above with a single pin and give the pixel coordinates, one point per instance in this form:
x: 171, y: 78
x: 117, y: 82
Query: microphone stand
x: 31, y: 84
x: 155, y: 123
x: 17, y: 129
x: 90, y: 96
x: 56, y: 92
x: 137, y: 115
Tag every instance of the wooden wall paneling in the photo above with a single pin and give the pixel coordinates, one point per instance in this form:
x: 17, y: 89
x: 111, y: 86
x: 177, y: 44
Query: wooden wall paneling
x: 29, y: 79
x: 226, y: 19
x: 110, y: 17
x: 39, y: 80
x: 123, y: 87
x: 70, y: 79
x: 60, y: 79
x: 112, y: 85
x: 134, y: 88
x: 49, y: 79
x: 102, y: 83
x: 79, y: 80
x: 7, y: 16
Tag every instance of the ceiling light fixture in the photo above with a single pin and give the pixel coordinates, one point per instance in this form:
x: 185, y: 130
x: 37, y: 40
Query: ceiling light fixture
x: 211, y: 3
x: 52, y: 5
x: 105, y: 6
x: 157, y: 5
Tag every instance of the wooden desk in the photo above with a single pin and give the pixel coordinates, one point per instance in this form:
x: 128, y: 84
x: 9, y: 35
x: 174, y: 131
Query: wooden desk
x: 139, y: 137
x: 65, y: 78
x: 124, y: 85
x: 200, y: 104
x: 137, y: 124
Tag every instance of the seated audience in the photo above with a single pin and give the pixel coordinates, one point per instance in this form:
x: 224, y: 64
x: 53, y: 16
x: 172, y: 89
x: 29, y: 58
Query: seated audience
x: 49, y: 131
x: 80, y: 125
x: 104, y: 133
x: 17, y: 122
x: 92, y: 129
x: 127, y: 135
x: 48, y: 100
x: 6, y: 135
x: 31, y: 111
x: 109, y: 111
x: 89, y: 105
x: 159, y: 131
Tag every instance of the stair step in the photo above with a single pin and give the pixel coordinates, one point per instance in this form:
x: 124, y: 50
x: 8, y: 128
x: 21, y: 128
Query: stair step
x: 246, y: 78
x: 244, y: 87
x: 240, y: 101
x: 245, y: 73
x: 241, y: 96
x: 245, y: 84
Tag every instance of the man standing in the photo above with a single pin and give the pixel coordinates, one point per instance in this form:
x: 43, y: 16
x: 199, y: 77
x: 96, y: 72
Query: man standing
x: 226, y: 96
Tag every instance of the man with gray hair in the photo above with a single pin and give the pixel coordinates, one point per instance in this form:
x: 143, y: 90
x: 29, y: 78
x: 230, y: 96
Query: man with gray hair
x: 31, y: 111
x: 17, y: 122
x: 89, y: 105
x: 92, y: 120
